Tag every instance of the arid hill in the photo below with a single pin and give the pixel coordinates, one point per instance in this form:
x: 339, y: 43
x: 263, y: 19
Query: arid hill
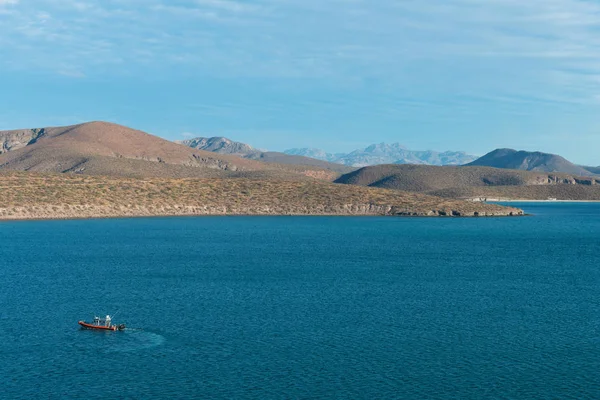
x: 102, y: 148
x: 529, y: 161
x: 463, y: 182
x: 26, y: 195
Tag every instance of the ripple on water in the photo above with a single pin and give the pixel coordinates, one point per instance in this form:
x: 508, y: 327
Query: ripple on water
x: 122, y: 341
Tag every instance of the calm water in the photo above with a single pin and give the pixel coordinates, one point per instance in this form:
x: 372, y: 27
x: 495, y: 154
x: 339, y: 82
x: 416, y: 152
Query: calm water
x: 304, y: 307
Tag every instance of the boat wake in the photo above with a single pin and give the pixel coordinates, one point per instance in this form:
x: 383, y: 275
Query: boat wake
x: 137, y: 339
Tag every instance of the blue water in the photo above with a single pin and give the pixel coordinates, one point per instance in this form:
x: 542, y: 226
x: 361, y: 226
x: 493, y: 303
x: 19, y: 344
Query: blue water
x: 304, y: 307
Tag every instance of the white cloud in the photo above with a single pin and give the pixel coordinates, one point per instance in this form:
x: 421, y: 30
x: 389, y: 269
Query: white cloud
x: 514, y: 48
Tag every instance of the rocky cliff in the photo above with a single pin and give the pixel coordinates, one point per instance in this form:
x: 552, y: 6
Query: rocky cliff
x: 14, y: 140
x: 219, y: 145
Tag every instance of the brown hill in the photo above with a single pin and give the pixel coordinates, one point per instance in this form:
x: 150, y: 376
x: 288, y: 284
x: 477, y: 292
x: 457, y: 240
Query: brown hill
x: 102, y: 148
x: 529, y: 161
x: 25, y: 195
x: 462, y: 182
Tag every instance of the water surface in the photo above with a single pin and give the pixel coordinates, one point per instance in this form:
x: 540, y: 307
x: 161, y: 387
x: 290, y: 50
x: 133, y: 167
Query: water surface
x: 304, y: 307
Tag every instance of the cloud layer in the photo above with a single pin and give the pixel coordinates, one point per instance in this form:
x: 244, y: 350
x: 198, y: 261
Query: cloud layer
x: 333, y: 38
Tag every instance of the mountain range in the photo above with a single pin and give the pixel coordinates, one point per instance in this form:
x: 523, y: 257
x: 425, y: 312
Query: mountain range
x: 107, y: 149
x: 222, y: 145
x: 383, y: 153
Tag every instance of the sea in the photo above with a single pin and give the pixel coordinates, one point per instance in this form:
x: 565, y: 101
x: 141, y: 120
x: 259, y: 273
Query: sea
x: 304, y: 307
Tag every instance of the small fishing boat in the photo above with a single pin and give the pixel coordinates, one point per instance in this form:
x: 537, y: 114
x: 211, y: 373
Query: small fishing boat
x: 102, y: 324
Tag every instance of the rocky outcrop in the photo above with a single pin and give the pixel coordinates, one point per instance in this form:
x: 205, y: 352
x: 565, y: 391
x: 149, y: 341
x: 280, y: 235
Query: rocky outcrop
x: 218, y: 145
x: 14, y: 140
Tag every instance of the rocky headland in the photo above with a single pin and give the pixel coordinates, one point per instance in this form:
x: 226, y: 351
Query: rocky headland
x: 25, y: 195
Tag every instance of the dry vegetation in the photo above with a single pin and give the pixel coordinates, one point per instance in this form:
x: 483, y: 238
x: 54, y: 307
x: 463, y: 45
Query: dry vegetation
x: 26, y: 195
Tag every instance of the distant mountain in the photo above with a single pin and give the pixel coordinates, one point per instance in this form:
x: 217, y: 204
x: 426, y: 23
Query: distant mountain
x: 314, y: 153
x: 383, y: 153
x: 529, y: 161
x: 219, y: 145
x: 226, y: 146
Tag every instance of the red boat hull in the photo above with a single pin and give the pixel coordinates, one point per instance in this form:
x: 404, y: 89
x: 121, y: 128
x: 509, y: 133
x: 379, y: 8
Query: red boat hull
x: 97, y: 327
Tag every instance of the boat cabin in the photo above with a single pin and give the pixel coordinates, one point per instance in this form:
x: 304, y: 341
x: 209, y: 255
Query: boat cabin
x: 102, y: 321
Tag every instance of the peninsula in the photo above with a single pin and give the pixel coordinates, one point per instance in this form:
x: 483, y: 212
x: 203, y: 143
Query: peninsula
x: 27, y: 195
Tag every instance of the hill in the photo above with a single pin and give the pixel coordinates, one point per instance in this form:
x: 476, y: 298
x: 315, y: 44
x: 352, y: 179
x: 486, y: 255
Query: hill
x: 467, y: 182
x: 25, y: 195
x: 226, y: 146
x: 383, y: 153
x: 593, y: 170
x: 529, y: 161
x: 102, y: 148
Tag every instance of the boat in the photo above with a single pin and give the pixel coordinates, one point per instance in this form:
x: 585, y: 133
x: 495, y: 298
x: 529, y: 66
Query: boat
x: 102, y: 324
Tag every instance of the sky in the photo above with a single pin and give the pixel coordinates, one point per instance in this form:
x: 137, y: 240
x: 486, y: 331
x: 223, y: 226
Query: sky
x: 470, y: 75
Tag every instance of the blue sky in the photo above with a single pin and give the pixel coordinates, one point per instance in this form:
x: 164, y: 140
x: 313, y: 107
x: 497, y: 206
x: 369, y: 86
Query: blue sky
x: 468, y: 75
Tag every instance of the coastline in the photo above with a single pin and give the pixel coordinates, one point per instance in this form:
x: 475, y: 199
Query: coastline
x: 102, y: 213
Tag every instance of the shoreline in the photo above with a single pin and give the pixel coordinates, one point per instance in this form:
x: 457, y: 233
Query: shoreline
x: 65, y: 212
x: 102, y: 217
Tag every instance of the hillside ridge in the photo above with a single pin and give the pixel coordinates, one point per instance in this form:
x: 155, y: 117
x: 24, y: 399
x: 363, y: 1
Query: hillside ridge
x: 529, y: 161
x: 467, y: 181
x: 106, y: 148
